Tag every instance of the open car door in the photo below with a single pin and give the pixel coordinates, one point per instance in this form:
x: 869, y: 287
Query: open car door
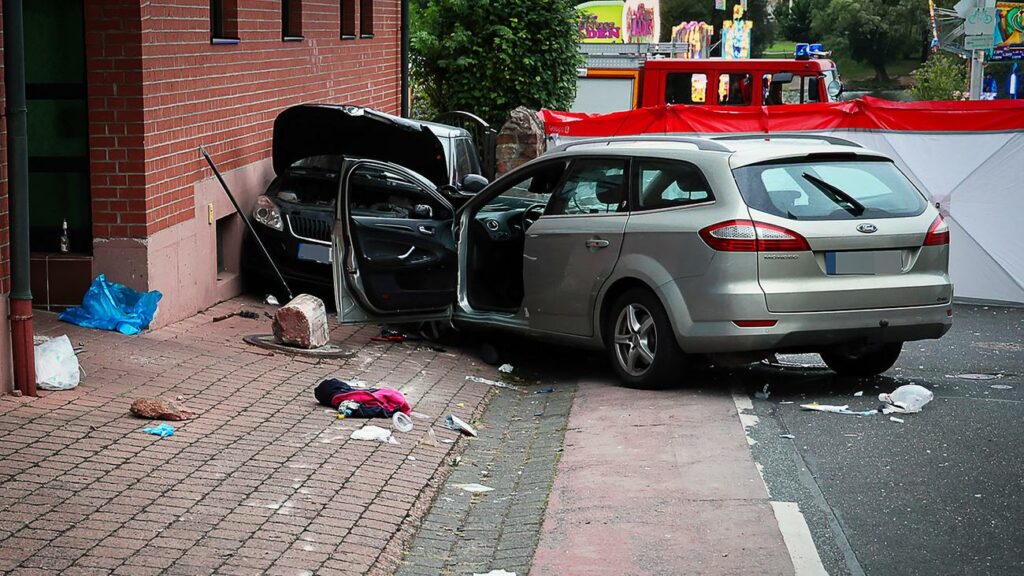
x: 394, y: 254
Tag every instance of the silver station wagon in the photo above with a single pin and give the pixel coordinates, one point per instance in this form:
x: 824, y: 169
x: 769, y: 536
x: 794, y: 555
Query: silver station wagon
x: 658, y: 249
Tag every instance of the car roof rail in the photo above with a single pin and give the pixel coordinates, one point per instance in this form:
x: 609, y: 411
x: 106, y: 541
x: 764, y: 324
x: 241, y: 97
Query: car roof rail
x: 701, y: 143
x: 834, y: 140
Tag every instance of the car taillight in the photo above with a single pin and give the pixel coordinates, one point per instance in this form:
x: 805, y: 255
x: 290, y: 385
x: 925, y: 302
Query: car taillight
x: 750, y: 236
x: 938, y: 234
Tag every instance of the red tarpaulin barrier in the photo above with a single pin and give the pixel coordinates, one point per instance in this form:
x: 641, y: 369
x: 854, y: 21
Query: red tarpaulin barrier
x: 862, y: 114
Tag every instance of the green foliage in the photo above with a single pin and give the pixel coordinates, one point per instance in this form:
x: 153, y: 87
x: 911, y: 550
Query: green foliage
x: 870, y: 31
x: 942, y: 77
x: 490, y: 57
x: 673, y: 12
x: 795, y: 20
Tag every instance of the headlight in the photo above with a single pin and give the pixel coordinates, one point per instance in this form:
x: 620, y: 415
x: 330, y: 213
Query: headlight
x: 267, y: 213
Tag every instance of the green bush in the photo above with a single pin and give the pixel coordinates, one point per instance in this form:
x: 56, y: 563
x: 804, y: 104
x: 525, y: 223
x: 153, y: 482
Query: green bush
x: 490, y: 57
x: 942, y: 77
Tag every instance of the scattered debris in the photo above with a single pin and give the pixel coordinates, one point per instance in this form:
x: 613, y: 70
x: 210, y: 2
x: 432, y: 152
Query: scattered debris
x: 786, y: 402
x: 453, y: 422
x: 858, y: 393
x: 1001, y: 387
x: 489, y: 382
x: 895, y: 419
x: 538, y: 413
x: 496, y: 573
x: 506, y: 368
x: 410, y: 457
x: 162, y: 430
x: 371, y: 402
x: 302, y: 322
x: 56, y: 364
x: 431, y: 438
x: 38, y: 339
x: 271, y: 300
x: 389, y: 335
x: 909, y: 398
x: 247, y: 314
x: 374, y: 433
x: 474, y: 488
x: 112, y: 306
x: 763, y: 394
x: 788, y: 436
x: 402, y: 422
x: 159, y: 409
x: 544, y: 391
x: 845, y: 409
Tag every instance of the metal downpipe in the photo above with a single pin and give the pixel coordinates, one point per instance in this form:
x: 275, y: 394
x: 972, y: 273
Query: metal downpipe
x: 17, y: 194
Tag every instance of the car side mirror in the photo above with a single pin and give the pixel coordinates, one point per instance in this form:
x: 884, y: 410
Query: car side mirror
x: 473, y: 183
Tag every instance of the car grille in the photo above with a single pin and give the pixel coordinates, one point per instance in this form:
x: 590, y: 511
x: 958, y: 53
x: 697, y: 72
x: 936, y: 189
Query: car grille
x: 307, y: 228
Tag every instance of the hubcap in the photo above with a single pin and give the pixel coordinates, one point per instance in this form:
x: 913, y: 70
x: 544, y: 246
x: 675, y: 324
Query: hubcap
x: 636, y: 340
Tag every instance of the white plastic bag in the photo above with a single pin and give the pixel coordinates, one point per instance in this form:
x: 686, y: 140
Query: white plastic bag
x: 56, y: 365
x: 910, y: 397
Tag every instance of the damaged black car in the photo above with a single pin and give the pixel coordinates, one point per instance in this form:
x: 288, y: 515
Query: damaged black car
x: 294, y: 218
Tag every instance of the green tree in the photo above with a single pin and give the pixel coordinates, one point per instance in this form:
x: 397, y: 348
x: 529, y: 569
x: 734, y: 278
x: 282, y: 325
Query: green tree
x: 942, y: 77
x: 490, y: 57
x: 871, y: 31
x: 795, y: 20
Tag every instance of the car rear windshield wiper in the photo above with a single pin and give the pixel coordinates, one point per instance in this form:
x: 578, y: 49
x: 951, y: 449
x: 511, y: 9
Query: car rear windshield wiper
x: 836, y: 195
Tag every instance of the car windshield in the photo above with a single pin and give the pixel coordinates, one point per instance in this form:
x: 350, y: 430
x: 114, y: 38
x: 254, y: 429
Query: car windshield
x: 829, y: 190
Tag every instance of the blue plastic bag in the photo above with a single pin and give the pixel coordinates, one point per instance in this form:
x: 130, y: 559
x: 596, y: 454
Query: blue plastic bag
x: 113, y: 306
x: 161, y: 430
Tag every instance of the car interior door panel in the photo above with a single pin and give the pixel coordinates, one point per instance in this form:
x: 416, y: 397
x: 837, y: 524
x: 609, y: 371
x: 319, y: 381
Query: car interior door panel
x: 400, y: 233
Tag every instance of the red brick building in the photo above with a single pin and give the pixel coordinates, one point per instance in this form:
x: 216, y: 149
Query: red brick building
x: 122, y: 93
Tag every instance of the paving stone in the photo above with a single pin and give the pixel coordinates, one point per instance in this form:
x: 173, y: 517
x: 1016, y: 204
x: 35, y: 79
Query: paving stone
x: 239, y: 488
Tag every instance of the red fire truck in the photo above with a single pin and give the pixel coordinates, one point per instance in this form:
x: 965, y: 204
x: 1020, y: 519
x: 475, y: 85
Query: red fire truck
x: 626, y: 76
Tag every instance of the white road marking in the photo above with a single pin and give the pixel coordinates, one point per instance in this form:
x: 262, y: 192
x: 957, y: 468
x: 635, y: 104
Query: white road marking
x: 792, y: 525
x: 797, y: 536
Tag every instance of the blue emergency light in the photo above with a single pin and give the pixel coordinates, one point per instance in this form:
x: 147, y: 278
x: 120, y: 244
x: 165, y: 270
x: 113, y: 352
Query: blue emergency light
x: 803, y: 51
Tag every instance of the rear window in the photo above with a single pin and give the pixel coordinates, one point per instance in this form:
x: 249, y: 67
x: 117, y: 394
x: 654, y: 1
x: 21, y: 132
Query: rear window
x: 829, y: 190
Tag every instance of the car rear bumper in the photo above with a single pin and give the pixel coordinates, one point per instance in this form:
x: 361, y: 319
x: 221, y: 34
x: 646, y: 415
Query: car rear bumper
x: 810, y: 331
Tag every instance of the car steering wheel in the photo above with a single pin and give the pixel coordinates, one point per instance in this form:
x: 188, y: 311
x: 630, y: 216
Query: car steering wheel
x: 528, y: 215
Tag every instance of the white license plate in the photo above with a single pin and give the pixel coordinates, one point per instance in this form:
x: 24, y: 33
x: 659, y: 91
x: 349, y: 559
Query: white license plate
x: 315, y: 253
x: 870, y: 262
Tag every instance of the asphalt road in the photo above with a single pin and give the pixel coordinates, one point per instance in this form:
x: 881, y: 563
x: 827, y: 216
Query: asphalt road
x: 940, y: 493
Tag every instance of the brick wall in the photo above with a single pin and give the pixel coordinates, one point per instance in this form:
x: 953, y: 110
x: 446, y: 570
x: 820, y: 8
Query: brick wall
x: 116, y: 155
x: 226, y: 96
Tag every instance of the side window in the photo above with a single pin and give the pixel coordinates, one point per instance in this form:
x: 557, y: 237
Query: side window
x: 786, y: 88
x: 535, y: 187
x: 466, y: 161
x: 667, y: 183
x: 593, y: 186
x: 735, y: 89
x: 686, y: 88
x: 379, y: 193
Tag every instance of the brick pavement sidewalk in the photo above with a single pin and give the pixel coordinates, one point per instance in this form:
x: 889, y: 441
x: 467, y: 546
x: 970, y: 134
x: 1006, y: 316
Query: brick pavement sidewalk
x: 262, y: 481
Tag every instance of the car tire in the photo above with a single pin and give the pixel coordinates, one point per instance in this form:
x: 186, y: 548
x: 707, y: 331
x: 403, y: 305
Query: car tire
x: 869, y: 361
x: 640, y: 342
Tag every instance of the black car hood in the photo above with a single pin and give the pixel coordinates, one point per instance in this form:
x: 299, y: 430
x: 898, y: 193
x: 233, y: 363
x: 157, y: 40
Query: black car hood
x: 318, y: 129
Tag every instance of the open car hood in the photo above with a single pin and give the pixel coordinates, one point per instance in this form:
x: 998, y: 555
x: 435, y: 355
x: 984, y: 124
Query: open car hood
x: 319, y: 129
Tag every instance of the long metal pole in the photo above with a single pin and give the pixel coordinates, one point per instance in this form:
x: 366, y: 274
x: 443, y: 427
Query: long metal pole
x: 977, y: 71
x: 245, y: 219
x: 17, y: 192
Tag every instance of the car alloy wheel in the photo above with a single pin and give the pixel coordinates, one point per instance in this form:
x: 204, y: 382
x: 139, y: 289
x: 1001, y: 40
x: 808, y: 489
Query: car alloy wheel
x: 636, y: 339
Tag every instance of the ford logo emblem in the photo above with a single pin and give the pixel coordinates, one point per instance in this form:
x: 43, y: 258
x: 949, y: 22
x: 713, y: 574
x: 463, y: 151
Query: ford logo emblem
x: 867, y: 228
